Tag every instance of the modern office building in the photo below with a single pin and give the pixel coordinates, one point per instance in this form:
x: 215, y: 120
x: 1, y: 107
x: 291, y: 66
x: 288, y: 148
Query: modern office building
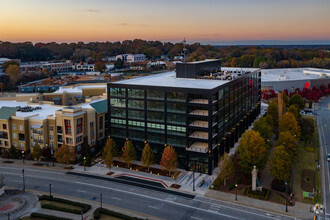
x: 200, y: 118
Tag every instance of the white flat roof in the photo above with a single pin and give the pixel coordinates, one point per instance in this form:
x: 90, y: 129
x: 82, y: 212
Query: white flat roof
x: 291, y: 74
x: 168, y: 79
x: 78, y: 89
x: 46, y: 110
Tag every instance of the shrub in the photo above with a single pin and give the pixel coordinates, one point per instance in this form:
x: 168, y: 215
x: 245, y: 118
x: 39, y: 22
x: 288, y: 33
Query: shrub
x: 278, y: 185
x: 62, y: 209
x: 43, y: 216
x: 97, y: 214
x: 232, y: 186
x: 84, y: 207
x: 264, y: 194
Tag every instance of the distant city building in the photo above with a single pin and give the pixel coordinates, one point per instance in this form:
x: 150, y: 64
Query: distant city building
x: 289, y: 78
x: 123, y: 57
x: 84, y: 67
x: 58, y: 67
x: 131, y: 58
x: 201, y: 116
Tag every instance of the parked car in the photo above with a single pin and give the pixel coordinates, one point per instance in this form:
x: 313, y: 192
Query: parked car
x: 328, y: 159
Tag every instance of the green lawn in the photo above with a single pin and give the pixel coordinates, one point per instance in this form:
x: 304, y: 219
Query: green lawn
x: 306, y: 160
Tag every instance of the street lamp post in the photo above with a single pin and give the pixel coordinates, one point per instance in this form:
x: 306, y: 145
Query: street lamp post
x: 52, y: 153
x: 101, y: 200
x: 193, y: 175
x: 82, y: 215
x: 50, y: 190
x: 84, y: 163
x: 23, y: 180
x: 236, y: 192
x: 286, y: 195
x: 23, y: 156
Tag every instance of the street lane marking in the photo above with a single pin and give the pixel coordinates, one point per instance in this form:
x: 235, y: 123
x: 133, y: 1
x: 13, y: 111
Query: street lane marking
x: 196, y: 218
x: 162, y: 200
x: 82, y: 191
x: 153, y: 207
x: 241, y: 210
x: 116, y: 198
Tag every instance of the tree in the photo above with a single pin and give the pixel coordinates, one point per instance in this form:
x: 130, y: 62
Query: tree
x: 273, y: 112
x: 307, y: 128
x: 252, y: 151
x: 148, y: 156
x: 100, y: 67
x: 280, y: 163
x: 287, y: 140
x: 6, y: 64
x: 109, y: 159
x: 264, y: 128
x: 169, y: 159
x: 110, y: 146
x: 14, y: 72
x: 289, y: 123
x: 46, y: 153
x: 65, y: 154
x: 119, y: 64
x: 128, y: 155
x: 226, y: 167
x: 36, y: 151
x: 294, y: 110
x: 152, y: 52
x: 297, y: 101
x: 13, y: 151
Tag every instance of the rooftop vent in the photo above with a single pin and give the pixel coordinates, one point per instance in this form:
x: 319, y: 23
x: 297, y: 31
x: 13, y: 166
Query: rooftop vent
x: 286, y: 77
x: 281, y: 75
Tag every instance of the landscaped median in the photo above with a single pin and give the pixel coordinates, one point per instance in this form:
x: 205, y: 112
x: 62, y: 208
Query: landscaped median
x: 36, y: 215
x: 63, y: 205
x: 101, y: 213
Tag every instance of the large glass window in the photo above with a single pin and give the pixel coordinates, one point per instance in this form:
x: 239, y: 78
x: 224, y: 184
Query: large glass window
x: 154, y: 127
x: 136, y: 125
x: 118, y: 92
x: 118, y: 102
x: 176, y: 130
x: 135, y: 93
x: 176, y: 96
x: 156, y: 138
x: 176, y: 141
x: 158, y: 106
x: 155, y: 116
x: 158, y: 95
x: 134, y: 114
x: 176, y: 119
x: 136, y: 104
x: 118, y: 112
x: 176, y: 107
x: 136, y: 135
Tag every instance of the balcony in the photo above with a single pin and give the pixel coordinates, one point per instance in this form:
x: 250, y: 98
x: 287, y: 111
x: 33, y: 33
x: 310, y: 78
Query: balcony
x: 200, y: 135
x: 39, y: 141
x: 199, y: 101
x: 200, y: 124
x: 3, y: 135
x: 200, y: 112
x: 198, y: 147
x: 36, y: 132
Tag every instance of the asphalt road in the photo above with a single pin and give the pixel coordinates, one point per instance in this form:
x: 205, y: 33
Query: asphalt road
x: 323, y: 119
x: 154, y: 203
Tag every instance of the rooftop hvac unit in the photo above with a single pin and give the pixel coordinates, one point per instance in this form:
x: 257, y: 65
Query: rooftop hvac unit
x: 265, y: 73
x: 281, y: 75
x: 278, y: 79
x: 286, y: 77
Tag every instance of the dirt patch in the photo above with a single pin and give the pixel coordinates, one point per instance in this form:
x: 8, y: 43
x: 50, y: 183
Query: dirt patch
x: 175, y: 186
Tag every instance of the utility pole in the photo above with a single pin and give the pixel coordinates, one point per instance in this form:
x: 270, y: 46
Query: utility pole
x: 23, y: 180
x: 101, y: 200
x: 50, y: 190
x: 194, y: 176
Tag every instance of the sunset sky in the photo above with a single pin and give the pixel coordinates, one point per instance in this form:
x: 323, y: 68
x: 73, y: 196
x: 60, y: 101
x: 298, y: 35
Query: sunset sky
x: 208, y: 21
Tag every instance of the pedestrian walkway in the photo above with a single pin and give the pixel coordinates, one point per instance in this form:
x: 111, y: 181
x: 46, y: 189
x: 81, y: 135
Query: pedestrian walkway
x: 300, y: 210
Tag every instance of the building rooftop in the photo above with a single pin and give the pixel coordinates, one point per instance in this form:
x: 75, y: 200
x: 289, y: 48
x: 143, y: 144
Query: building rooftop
x: 7, y: 112
x: 78, y: 89
x: 42, y: 113
x: 291, y: 74
x: 168, y: 79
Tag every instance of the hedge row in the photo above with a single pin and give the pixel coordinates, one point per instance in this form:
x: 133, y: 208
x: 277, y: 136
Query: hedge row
x: 97, y: 214
x: 257, y: 194
x: 49, y: 217
x: 84, y: 207
x: 61, y: 209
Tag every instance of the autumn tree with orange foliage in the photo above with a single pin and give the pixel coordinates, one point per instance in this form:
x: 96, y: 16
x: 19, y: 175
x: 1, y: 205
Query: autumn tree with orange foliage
x: 65, y: 154
x: 169, y: 159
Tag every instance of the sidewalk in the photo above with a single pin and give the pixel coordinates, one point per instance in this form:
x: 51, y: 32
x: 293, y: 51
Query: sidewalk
x: 29, y: 163
x: 300, y: 210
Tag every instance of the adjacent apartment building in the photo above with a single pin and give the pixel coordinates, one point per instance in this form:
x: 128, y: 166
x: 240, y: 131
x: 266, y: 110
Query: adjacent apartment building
x: 201, y: 115
x: 23, y: 124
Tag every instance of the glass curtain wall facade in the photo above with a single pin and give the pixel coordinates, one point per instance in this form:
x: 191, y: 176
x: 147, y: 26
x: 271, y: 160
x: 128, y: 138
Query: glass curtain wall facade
x: 201, y: 124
